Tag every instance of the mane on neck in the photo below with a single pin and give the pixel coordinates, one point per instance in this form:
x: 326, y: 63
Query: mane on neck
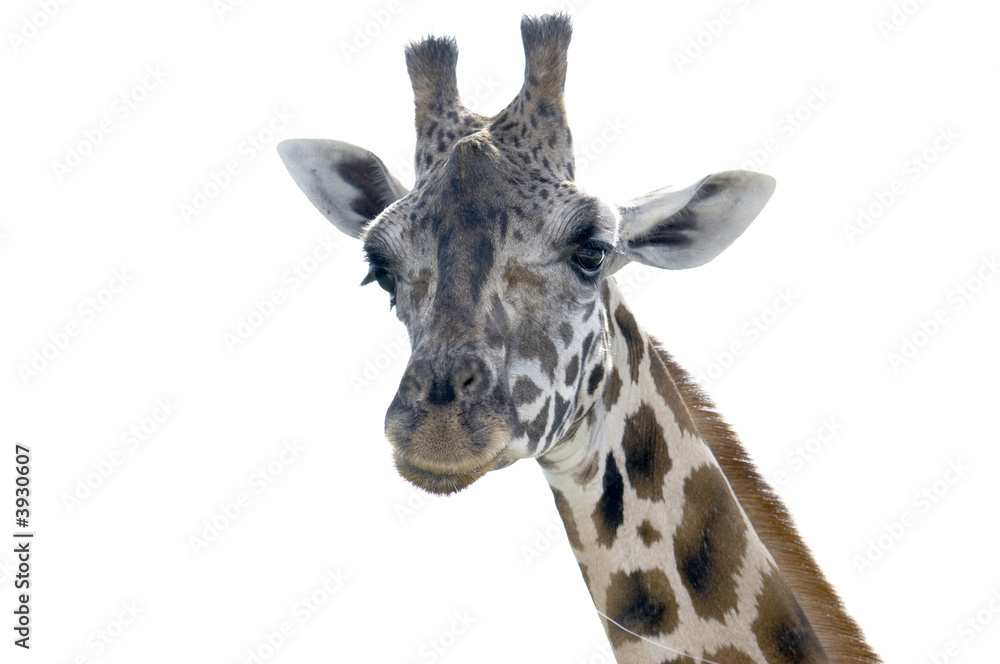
x: 838, y: 633
x: 677, y: 534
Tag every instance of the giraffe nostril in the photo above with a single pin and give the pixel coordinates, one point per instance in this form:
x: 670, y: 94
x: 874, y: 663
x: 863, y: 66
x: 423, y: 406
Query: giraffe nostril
x: 469, y: 377
x: 409, y: 388
x: 415, y: 383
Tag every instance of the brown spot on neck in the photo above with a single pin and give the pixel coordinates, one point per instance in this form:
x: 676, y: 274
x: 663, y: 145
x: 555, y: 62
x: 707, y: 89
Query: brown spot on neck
x: 709, y: 543
x: 612, y: 389
x: 609, y: 513
x: 648, y: 533
x: 642, y: 602
x: 840, y: 636
x: 606, y: 298
x: 671, y: 394
x: 589, y: 471
x: 729, y: 655
x: 633, y: 339
x: 566, y: 514
x: 783, y: 632
x: 647, y: 459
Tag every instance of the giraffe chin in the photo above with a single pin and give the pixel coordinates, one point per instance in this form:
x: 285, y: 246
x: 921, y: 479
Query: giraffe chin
x: 441, y: 453
x: 439, y: 483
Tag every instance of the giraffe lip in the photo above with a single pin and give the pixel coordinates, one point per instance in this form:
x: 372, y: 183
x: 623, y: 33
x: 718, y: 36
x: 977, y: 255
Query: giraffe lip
x: 440, y: 482
x: 442, y: 455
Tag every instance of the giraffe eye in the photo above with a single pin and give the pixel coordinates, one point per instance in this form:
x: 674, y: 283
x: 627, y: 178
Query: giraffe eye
x: 590, y: 257
x: 385, y: 280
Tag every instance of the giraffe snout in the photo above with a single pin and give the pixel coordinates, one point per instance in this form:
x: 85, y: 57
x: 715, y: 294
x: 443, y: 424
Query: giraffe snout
x: 464, y: 379
x: 449, y: 422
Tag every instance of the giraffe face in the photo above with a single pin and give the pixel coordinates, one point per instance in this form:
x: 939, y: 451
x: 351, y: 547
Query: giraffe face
x: 495, y: 260
x: 497, y: 276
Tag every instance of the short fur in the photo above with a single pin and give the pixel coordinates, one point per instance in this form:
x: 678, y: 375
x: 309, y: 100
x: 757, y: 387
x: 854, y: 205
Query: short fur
x: 523, y: 348
x: 839, y: 634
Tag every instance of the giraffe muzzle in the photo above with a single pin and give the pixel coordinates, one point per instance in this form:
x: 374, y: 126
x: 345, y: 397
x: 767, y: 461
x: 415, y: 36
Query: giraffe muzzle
x: 449, y: 422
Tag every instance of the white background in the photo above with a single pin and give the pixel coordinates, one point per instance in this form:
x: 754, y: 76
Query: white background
x: 411, y: 561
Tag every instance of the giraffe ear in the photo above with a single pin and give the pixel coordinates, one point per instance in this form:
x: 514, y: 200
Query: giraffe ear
x: 348, y: 184
x: 680, y: 228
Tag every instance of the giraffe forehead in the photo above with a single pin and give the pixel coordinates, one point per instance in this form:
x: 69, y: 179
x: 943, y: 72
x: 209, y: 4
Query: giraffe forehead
x: 478, y: 207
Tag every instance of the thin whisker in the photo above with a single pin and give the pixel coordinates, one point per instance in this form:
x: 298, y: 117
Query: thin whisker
x: 658, y: 645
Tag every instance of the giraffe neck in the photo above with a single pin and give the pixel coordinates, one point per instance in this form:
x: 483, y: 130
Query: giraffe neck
x: 669, y: 555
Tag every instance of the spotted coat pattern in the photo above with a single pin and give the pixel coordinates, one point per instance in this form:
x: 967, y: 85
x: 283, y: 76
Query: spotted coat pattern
x: 669, y: 553
x: 523, y: 348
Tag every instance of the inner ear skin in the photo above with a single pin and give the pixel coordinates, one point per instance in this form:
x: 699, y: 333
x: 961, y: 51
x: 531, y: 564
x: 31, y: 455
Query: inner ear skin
x: 674, y: 232
x: 678, y: 229
x: 371, y: 179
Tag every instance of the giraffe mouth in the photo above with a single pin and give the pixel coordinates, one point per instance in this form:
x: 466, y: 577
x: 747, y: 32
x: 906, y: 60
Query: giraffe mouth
x: 443, y: 483
x: 441, y: 453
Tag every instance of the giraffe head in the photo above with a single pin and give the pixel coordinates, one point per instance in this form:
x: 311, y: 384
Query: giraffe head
x: 495, y: 260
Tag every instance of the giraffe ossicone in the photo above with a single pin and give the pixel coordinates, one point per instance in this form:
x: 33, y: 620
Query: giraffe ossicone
x: 501, y: 269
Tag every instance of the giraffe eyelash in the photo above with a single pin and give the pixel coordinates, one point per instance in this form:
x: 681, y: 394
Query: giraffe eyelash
x: 385, y: 280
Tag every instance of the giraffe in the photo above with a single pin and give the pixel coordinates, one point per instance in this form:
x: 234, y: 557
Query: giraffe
x: 501, y: 269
